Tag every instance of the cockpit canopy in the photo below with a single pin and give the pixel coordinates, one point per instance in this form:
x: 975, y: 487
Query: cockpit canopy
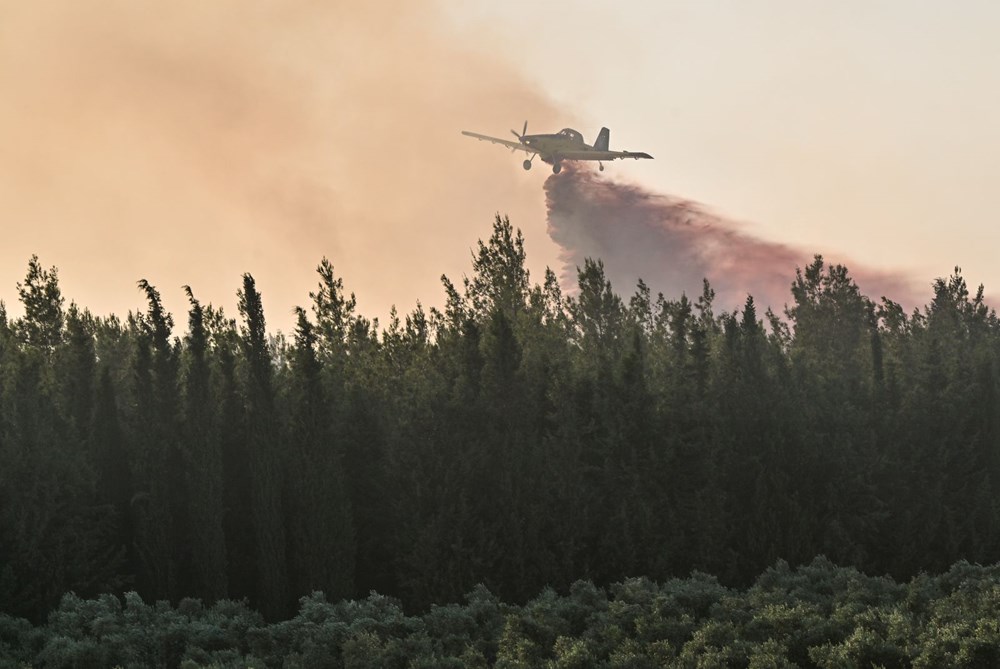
x: 569, y: 133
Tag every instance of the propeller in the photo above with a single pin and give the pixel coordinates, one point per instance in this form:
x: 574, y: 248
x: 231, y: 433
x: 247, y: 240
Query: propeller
x: 523, y: 132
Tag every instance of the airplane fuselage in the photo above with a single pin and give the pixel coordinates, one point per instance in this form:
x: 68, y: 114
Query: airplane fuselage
x: 552, y: 146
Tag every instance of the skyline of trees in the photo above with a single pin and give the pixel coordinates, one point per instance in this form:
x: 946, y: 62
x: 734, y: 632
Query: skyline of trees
x: 517, y: 438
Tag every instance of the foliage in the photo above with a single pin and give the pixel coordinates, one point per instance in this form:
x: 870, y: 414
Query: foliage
x: 818, y: 615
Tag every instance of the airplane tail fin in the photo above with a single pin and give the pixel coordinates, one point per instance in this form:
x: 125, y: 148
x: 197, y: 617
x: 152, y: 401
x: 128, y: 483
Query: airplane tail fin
x: 603, y: 140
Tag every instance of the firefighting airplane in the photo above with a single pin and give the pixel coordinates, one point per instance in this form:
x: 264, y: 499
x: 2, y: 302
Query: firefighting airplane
x: 567, y: 144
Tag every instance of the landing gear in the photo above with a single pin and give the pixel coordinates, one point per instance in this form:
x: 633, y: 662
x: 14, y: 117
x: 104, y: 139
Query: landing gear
x: 527, y: 164
x: 600, y: 166
x: 556, y: 168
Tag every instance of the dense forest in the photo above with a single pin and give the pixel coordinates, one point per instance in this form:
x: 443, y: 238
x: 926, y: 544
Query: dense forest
x: 515, y: 439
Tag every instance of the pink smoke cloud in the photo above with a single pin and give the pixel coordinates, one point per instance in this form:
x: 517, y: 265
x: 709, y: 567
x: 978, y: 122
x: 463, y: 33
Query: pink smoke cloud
x: 673, y: 244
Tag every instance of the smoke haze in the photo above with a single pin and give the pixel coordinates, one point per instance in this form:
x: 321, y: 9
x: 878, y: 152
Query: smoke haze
x: 672, y: 244
x: 189, y: 142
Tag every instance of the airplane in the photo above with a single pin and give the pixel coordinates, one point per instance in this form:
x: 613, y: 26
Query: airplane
x: 567, y: 144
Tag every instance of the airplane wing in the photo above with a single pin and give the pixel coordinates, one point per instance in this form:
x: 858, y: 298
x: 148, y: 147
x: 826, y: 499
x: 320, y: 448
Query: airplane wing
x: 496, y: 140
x: 602, y: 155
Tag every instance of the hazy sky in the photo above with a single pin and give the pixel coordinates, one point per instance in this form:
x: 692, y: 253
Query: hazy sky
x: 188, y: 142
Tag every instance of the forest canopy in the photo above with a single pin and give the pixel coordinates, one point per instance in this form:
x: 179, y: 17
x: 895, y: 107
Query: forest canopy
x: 516, y: 439
x: 818, y: 615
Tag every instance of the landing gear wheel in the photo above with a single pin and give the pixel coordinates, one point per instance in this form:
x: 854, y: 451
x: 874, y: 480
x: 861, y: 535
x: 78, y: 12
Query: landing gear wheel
x: 556, y: 168
x: 527, y: 164
x: 600, y: 166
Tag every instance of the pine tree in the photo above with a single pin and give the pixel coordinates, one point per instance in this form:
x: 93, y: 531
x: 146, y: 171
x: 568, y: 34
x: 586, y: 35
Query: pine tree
x: 161, y: 519
x: 831, y: 361
x: 205, y: 566
x: 320, y: 532
x: 49, y: 523
x: 237, y: 481
x: 264, y: 455
x: 42, y: 325
x: 347, y: 348
x: 500, y: 279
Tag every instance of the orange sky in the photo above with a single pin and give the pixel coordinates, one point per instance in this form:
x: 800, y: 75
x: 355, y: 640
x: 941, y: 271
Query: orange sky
x: 189, y: 142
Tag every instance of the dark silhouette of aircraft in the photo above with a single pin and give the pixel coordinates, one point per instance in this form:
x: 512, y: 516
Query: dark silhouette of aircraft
x: 567, y: 144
